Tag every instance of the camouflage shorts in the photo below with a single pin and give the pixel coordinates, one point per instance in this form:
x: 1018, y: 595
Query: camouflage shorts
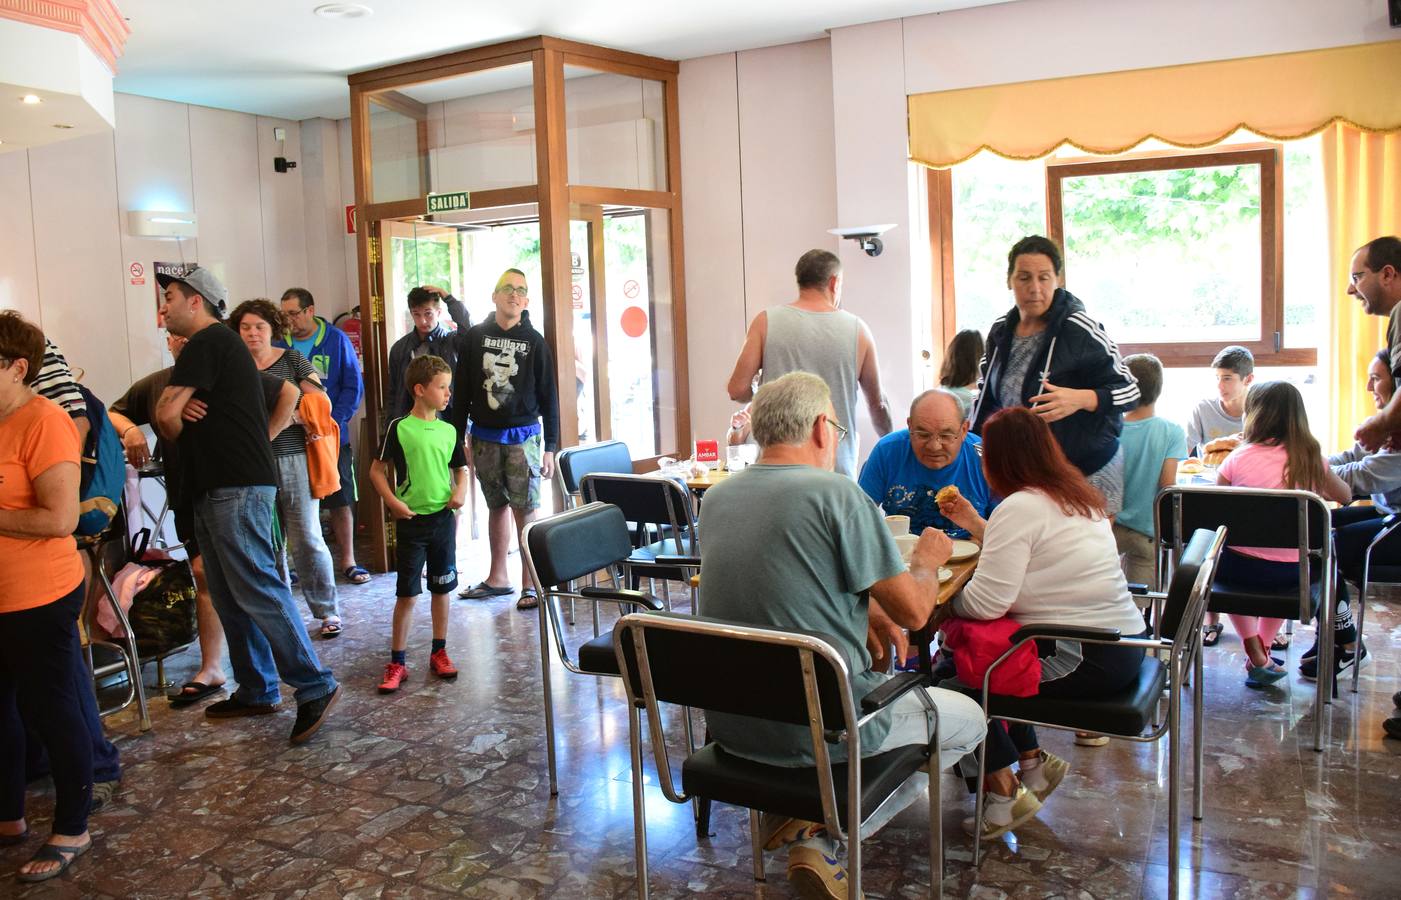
x: 509, y: 473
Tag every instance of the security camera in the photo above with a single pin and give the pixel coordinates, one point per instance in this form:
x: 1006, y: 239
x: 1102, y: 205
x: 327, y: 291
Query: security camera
x: 866, y: 236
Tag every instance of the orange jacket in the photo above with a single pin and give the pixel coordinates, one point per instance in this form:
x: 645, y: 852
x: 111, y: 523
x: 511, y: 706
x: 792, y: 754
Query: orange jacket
x: 323, y: 444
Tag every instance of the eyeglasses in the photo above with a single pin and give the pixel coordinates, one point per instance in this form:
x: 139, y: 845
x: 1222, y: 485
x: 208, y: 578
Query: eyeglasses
x: 519, y: 291
x: 841, y: 432
x: 943, y: 437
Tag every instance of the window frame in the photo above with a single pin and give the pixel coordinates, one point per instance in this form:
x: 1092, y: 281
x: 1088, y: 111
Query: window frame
x: 1268, y: 350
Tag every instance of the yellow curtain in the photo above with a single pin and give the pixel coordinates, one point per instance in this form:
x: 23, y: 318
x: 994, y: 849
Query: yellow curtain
x: 1281, y: 97
x: 1362, y: 177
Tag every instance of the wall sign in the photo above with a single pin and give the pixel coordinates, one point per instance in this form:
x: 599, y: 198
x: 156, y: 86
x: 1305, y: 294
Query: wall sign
x: 449, y: 202
x: 138, y: 273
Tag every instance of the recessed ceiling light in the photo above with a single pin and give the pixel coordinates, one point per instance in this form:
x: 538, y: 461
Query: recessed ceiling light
x: 64, y: 127
x: 343, y: 11
x: 31, y: 99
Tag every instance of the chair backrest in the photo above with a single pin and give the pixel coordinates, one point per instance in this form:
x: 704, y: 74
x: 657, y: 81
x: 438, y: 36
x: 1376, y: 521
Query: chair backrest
x: 729, y: 667
x: 644, y: 499
x: 574, y: 463
x: 1185, y: 605
x: 1254, y: 517
x: 576, y: 542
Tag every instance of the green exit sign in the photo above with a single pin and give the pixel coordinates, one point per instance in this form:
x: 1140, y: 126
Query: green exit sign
x: 441, y: 203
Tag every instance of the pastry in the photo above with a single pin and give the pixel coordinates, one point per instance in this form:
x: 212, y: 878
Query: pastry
x: 947, y: 494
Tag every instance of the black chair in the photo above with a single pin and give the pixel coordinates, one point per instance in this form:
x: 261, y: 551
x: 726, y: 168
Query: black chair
x: 1132, y: 714
x: 573, y: 463
x: 557, y: 551
x: 795, y: 677
x: 110, y: 660
x: 1262, y: 517
x: 1370, y: 573
x: 666, y: 543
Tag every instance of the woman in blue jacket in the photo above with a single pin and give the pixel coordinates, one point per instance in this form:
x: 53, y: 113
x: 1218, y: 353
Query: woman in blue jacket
x: 1046, y: 353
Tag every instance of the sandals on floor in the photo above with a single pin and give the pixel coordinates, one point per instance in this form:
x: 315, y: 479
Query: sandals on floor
x: 13, y: 840
x: 330, y: 630
x: 64, y: 856
x: 1281, y: 642
x: 528, y: 599
x: 1211, y: 634
x: 356, y: 574
x: 484, y: 591
x: 191, y: 692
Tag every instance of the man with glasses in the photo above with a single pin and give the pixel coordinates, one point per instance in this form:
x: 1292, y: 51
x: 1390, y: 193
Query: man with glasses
x: 330, y: 351
x: 908, y: 468
x: 1375, y: 280
x: 505, y: 387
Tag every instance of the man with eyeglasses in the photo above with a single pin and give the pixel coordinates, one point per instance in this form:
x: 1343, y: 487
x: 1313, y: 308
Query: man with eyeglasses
x: 505, y: 387
x: 1375, y: 280
x: 907, y: 468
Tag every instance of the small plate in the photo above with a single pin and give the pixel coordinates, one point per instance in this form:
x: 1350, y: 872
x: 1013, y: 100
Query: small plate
x: 945, y: 574
x: 963, y: 550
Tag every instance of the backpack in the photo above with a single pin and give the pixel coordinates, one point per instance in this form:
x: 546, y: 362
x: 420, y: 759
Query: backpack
x: 103, y: 470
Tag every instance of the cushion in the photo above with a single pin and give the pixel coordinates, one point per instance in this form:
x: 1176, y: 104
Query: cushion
x: 1245, y: 600
x: 1128, y: 712
x: 597, y: 656
x: 714, y: 774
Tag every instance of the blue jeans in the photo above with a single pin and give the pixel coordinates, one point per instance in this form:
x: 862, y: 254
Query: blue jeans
x: 301, y: 524
x: 266, y: 638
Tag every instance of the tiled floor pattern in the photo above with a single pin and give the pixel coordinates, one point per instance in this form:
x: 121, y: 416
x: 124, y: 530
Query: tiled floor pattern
x: 441, y: 790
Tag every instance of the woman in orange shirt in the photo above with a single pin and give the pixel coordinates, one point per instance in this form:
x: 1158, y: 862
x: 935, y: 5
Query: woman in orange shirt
x: 41, y: 595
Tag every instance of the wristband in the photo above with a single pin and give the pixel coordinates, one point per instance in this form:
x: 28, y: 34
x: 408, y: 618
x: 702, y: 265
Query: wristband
x: 125, y: 431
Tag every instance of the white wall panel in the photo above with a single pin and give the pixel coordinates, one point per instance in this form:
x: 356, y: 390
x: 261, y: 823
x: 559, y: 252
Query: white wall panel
x: 284, y: 223
x: 225, y: 165
x: 347, y: 190
x: 153, y: 173
x: 79, y: 257
x: 19, y: 281
x: 715, y: 304
x: 324, y: 216
x: 787, y: 173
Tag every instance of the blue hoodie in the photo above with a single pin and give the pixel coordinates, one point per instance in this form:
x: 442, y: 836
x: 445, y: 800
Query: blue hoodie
x: 334, y: 357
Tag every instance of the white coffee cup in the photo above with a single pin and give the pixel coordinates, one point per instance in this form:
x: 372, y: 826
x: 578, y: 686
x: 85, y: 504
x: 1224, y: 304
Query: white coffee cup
x: 898, y: 525
x: 906, y: 543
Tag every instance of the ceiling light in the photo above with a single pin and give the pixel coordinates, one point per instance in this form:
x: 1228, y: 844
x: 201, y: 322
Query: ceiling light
x: 31, y: 99
x: 343, y: 11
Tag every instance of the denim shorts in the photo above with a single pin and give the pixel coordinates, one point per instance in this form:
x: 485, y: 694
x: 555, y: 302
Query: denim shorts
x: 430, y: 538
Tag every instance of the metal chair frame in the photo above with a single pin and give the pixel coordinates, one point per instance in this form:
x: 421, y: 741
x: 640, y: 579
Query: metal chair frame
x: 1180, y: 654
x: 100, y: 589
x: 681, y: 520
x: 1389, y: 524
x: 631, y: 630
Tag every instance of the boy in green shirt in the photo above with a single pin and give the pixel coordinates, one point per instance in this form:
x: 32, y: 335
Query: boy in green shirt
x: 430, y: 472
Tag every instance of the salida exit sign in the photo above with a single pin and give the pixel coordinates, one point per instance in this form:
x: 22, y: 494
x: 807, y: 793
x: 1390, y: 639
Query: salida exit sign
x: 450, y: 202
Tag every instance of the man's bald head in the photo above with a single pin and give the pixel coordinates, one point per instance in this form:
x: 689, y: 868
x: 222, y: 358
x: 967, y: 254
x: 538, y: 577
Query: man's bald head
x: 936, y: 396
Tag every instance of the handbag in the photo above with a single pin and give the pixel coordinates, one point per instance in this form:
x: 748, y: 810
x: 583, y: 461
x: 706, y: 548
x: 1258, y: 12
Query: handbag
x: 162, y: 613
x: 976, y: 645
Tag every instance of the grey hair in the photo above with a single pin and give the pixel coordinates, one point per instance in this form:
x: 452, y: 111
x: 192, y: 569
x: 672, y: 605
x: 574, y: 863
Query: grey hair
x: 942, y: 391
x: 784, y: 409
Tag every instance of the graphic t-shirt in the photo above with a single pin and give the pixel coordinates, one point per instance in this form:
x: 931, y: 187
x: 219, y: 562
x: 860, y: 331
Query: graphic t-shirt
x: 903, y: 486
x: 229, y: 446
x: 423, y: 454
x: 36, y: 571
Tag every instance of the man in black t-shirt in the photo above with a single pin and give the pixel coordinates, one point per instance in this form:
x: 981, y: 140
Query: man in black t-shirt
x: 137, y: 407
x: 213, y: 409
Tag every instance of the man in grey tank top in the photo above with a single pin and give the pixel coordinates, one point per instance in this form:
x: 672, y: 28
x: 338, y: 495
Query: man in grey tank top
x: 813, y: 334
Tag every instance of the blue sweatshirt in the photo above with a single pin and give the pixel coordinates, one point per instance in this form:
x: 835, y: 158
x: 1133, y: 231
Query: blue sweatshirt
x: 334, y: 357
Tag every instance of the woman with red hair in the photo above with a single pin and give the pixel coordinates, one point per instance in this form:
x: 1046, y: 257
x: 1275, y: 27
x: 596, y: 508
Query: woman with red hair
x: 1048, y: 557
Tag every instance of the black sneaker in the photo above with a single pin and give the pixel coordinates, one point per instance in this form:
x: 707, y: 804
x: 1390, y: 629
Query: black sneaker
x: 1308, y: 669
x: 1396, y: 699
x: 311, y: 714
x: 1340, y: 639
x: 1392, y: 727
x: 233, y: 708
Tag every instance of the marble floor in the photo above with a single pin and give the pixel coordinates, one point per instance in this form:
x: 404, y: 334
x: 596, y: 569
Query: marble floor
x: 441, y: 790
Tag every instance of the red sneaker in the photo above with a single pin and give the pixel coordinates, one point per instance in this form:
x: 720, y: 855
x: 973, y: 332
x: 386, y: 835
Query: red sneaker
x: 441, y: 665
x: 394, y: 675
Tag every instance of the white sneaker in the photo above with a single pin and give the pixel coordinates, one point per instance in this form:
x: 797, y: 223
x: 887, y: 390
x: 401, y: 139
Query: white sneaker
x: 1002, y: 814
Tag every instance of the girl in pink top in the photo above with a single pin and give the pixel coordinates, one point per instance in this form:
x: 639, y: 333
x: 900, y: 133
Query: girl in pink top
x: 1278, y: 452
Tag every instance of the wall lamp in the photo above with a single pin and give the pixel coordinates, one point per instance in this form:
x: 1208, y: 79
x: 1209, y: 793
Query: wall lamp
x: 162, y: 224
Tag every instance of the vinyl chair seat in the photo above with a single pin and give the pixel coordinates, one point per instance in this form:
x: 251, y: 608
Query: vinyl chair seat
x: 597, y: 656
x: 1244, y: 599
x: 1130, y: 712
x: 713, y: 773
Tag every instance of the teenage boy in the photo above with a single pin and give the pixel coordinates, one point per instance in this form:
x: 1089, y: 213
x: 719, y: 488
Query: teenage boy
x: 1152, y: 448
x: 430, y: 337
x: 430, y: 472
x: 1220, y: 416
x: 507, y: 383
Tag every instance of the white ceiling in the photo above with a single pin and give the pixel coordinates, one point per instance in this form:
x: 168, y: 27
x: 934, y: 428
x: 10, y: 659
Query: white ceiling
x: 275, y: 58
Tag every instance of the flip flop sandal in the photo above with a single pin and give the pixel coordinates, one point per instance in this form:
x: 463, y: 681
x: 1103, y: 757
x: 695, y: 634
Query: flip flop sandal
x: 191, y: 692
x: 330, y: 630
x: 528, y: 599
x: 64, y: 856
x: 1211, y: 634
x: 484, y: 591
x: 356, y: 574
x: 1281, y: 642
x: 13, y: 840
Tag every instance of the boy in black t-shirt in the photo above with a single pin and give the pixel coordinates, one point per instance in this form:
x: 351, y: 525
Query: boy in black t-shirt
x: 430, y: 482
